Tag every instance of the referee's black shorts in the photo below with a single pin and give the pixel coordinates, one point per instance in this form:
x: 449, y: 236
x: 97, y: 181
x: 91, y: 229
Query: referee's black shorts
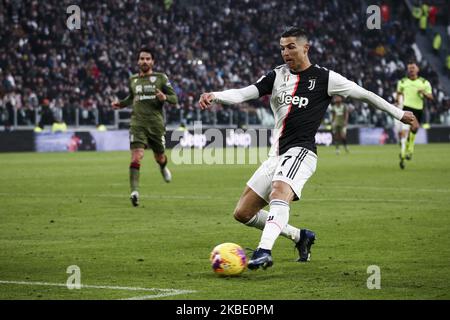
x: 418, y: 113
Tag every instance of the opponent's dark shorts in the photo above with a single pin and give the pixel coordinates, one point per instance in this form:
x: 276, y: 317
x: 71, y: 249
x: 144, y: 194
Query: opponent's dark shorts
x: 142, y: 137
x: 339, y: 129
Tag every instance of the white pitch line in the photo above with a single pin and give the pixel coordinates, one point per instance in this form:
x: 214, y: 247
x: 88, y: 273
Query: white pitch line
x: 372, y: 200
x: 168, y: 292
x: 398, y: 189
x: 158, y: 295
x: 72, y: 196
x: 170, y: 197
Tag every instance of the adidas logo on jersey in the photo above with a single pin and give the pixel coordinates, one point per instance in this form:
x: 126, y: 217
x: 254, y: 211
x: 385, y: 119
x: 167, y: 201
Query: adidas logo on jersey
x: 295, y: 100
x: 280, y: 173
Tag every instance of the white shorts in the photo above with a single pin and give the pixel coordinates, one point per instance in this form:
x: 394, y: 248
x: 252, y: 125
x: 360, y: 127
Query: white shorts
x: 294, y: 167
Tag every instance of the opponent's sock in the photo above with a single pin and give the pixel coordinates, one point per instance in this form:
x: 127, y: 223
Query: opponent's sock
x: 411, y: 139
x: 402, y: 147
x: 163, y: 165
x: 344, y: 142
x: 258, y: 221
x: 134, y: 176
x: 276, y: 221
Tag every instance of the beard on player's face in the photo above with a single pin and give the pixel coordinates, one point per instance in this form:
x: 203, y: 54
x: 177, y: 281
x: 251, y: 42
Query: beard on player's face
x: 145, y: 66
x: 145, y: 62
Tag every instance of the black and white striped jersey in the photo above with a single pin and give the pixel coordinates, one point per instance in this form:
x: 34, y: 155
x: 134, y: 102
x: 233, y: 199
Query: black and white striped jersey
x: 299, y: 101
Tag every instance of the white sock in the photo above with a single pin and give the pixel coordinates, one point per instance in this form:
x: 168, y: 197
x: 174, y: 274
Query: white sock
x: 259, y: 221
x: 276, y: 221
x: 403, y: 145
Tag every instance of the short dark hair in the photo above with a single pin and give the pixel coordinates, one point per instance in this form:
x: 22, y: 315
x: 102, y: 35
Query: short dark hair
x: 295, y: 32
x: 412, y: 61
x: 146, y: 50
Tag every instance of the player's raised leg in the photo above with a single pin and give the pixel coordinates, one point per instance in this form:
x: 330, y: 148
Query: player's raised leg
x: 161, y: 159
x: 294, y: 168
x: 137, y: 154
x: 158, y: 144
x: 250, y: 212
x: 278, y: 218
x: 255, y: 197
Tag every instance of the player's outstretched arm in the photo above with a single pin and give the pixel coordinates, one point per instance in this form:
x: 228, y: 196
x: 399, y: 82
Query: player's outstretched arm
x: 371, y: 98
x: 206, y: 100
x: 122, y: 103
x: 339, y: 85
x: 125, y: 102
x: 232, y: 96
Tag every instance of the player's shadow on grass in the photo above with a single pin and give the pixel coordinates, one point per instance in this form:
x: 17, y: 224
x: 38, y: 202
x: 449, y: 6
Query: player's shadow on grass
x: 248, y: 275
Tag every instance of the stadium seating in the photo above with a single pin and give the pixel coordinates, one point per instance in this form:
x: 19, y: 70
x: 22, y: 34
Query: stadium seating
x: 202, y: 45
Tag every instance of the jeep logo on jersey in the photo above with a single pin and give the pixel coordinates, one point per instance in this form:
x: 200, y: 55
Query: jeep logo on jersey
x: 295, y: 100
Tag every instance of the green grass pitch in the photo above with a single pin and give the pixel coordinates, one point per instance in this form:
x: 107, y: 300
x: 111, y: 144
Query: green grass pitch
x: 64, y: 209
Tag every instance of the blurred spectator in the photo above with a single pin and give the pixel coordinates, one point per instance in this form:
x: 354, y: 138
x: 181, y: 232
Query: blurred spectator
x: 432, y: 15
x: 47, y: 117
x: 423, y: 20
x: 437, y: 42
x: 101, y: 128
x: 385, y: 13
x: 448, y: 65
x: 59, y: 126
x: 79, y: 72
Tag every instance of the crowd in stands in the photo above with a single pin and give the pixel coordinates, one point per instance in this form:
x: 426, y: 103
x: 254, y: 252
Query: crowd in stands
x: 49, y: 71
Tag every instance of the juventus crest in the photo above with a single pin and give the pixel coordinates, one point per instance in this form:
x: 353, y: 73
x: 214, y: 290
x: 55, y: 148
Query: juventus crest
x: 312, y: 84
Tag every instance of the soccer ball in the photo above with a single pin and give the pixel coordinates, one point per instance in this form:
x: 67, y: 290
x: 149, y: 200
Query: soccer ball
x: 228, y: 259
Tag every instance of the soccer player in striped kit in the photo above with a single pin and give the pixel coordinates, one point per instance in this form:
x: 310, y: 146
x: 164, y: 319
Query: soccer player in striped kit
x: 300, y: 95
